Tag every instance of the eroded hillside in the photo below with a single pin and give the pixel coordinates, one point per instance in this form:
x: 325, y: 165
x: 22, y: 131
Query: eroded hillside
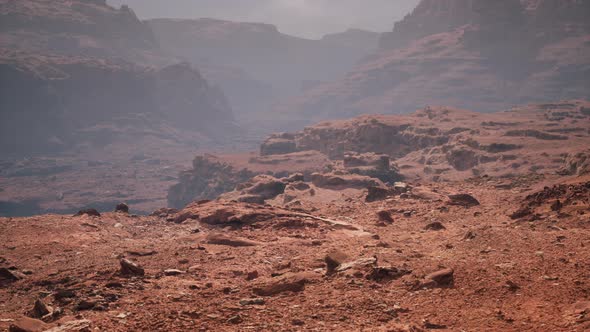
x: 481, y: 55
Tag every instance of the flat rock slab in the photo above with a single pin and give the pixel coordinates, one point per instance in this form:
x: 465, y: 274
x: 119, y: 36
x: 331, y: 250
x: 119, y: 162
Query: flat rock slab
x: 225, y: 240
x: 287, y: 283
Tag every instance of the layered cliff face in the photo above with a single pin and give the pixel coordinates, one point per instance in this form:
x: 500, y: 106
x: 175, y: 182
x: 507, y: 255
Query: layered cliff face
x: 47, y: 100
x: 67, y: 66
x: 79, y: 27
x: 475, y: 54
x: 450, y: 144
x: 277, y: 64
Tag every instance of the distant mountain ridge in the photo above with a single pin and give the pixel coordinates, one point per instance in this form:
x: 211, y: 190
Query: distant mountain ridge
x: 475, y: 54
x: 70, y: 65
x: 281, y: 62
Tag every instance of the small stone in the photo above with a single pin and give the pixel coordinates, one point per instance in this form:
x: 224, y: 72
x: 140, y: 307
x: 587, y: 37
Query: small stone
x: 252, y: 301
x: 464, y: 200
x: 252, y: 275
x: 130, y: 268
x: 122, y: 208
x: 237, y: 319
x: 556, y: 206
x: 521, y: 213
x: 297, y: 322
x: 114, y: 284
x: 86, y: 305
x: 64, y: 294
x: 89, y: 212
x: 385, y: 216
x: 512, y: 286
x: 435, y: 226
x: 433, y: 326
x: 333, y: 260
x: 173, y: 272
x: 470, y: 235
x: 26, y: 324
x: 377, y: 193
x: 441, y: 278
x: 386, y: 273
x: 288, y: 283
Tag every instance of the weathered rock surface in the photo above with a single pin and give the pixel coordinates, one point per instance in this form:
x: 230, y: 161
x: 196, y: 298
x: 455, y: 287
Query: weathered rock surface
x: 129, y: 268
x: 224, y: 240
x: 341, y: 181
x: 441, y: 278
x: 288, y: 283
x: 26, y: 324
x: 464, y: 200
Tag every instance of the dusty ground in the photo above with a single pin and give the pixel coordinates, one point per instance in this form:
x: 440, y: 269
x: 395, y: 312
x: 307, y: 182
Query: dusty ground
x: 509, y: 274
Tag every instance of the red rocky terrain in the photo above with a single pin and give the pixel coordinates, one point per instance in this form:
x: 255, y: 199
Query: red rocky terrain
x: 416, y: 260
x: 392, y: 223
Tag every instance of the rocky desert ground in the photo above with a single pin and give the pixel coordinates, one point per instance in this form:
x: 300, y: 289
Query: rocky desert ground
x: 479, y: 225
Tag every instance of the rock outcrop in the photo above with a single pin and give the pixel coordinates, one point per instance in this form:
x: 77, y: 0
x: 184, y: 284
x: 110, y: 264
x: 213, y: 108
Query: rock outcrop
x: 208, y: 179
x: 446, y: 143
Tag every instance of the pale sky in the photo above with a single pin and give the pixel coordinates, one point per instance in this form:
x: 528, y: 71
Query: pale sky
x: 305, y: 18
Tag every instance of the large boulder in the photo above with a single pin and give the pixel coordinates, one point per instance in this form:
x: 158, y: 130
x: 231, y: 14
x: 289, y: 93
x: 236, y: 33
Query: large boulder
x: 371, y: 164
x: 256, y: 190
x: 209, y: 178
x: 283, y: 143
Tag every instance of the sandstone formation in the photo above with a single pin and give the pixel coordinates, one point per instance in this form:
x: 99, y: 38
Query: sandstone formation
x: 441, y: 142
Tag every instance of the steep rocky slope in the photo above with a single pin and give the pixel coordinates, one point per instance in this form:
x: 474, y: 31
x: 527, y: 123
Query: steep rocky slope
x: 67, y: 66
x: 480, y: 55
x: 413, y: 262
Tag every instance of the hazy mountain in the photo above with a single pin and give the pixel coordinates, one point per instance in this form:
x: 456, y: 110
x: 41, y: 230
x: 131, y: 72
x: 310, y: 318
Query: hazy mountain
x: 474, y: 54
